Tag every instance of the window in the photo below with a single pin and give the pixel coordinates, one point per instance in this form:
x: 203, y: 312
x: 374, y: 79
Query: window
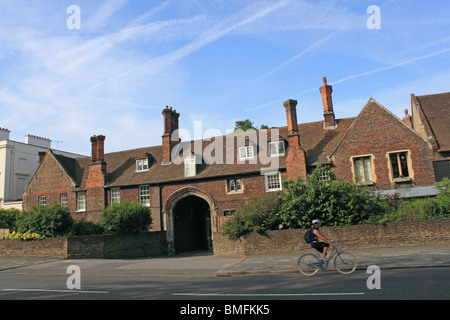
x: 115, y: 196
x: 235, y: 185
x: 142, y: 165
x: 190, y: 169
x: 363, y: 169
x: 42, y: 200
x: 81, y: 201
x: 276, y: 148
x: 399, y: 165
x: 246, y: 153
x: 229, y: 213
x: 144, y: 195
x: 273, y: 182
x: 63, y: 199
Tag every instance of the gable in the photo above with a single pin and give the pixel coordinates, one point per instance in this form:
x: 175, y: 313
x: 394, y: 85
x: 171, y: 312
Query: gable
x: 50, y: 171
x: 376, y: 128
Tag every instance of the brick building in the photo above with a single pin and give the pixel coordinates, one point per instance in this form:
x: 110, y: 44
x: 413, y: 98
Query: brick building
x: 430, y: 117
x: 192, y: 186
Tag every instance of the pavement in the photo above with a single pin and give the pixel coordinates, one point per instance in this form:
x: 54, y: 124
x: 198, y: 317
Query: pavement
x: 206, y: 264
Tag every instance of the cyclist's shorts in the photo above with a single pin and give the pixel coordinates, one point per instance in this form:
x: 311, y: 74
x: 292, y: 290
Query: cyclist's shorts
x: 319, y: 246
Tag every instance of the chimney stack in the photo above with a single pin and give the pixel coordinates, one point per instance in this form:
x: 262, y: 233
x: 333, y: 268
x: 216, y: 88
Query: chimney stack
x: 41, y: 156
x: 170, y: 137
x: 295, y: 155
x: 98, y: 148
x: 328, y: 113
x: 407, y: 119
x: 101, y: 148
x: 94, y: 156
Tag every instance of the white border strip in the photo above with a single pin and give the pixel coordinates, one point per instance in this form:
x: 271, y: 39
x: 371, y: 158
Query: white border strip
x: 62, y: 291
x: 268, y: 294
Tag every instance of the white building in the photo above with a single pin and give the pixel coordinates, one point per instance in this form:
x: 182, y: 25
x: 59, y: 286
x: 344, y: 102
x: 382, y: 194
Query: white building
x: 18, y: 163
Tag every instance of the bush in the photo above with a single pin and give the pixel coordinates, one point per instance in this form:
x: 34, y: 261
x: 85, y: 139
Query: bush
x: 50, y: 221
x: 126, y: 218
x: 85, y: 228
x: 8, y: 218
x: 258, y: 215
x: 334, y: 202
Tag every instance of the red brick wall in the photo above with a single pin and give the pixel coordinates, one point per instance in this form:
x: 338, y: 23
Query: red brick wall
x: 399, y: 234
x: 51, y: 181
x: 376, y: 132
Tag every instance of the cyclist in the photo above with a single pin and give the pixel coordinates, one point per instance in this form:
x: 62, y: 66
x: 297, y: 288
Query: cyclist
x: 319, y: 242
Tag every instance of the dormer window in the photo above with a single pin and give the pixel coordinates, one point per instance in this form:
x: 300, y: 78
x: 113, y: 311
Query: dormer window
x: 246, y: 153
x: 190, y: 168
x: 276, y: 148
x: 141, y: 165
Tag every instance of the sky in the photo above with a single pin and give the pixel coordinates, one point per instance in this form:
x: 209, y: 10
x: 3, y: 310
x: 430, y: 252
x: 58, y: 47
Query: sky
x: 73, y: 69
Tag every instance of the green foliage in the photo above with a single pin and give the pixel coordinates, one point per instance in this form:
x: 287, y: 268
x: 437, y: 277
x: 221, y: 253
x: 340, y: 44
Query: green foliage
x: 334, y: 202
x: 257, y: 215
x: 419, y: 209
x: 126, y: 218
x: 50, y: 221
x: 244, y: 126
x: 85, y: 228
x: 8, y: 218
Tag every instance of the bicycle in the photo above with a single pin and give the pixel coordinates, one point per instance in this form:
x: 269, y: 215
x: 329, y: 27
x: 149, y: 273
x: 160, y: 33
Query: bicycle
x: 344, y: 262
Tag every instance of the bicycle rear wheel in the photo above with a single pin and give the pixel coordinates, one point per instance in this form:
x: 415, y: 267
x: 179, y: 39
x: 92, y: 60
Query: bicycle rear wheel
x: 345, y: 263
x: 308, y: 264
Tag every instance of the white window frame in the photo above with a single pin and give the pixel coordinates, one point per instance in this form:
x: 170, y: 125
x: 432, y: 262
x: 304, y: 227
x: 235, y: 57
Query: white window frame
x: 144, y: 195
x: 63, y: 200
x: 141, y: 165
x: 81, y: 201
x: 235, y: 185
x: 273, y: 182
x: 246, y: 153
x: 276, y: 148
x: 115, y: 195
x: 42, y: 201
x: 190, y: 167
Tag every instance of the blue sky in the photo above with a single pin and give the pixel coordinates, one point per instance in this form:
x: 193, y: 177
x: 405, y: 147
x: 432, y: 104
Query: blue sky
x: 213, y: 61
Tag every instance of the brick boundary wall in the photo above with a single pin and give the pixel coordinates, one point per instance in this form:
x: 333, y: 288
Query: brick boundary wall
x: 101, y: 246
x: 398, y: 234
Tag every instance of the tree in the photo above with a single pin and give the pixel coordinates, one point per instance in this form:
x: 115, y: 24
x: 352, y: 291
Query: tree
x: 243, y: 126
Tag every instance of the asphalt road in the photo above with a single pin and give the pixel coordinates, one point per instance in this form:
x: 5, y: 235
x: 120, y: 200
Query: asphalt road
x: 395, y: 284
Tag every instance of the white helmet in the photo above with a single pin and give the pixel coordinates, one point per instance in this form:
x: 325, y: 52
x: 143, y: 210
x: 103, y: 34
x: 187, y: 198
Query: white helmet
x: 316, y: 221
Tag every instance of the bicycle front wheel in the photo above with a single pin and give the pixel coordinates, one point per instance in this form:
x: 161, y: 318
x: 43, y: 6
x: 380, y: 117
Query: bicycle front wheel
x: 345, y: 263
x: 308, y: 264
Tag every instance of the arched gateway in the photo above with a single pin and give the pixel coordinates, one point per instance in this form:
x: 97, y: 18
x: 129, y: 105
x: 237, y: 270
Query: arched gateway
x: 190, y: 218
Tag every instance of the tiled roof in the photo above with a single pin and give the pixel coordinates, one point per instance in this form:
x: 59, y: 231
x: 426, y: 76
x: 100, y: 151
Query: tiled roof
x: 121, y: 166
x: 436, y: 108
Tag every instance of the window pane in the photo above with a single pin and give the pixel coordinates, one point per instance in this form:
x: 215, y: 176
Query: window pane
x: 232, y: 186
x: 359, y: 170
x: 395, y: 167
x: 404, y: 164
x: 367, y: 171
x: 238, y: 185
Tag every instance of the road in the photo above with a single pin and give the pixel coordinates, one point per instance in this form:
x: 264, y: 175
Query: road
x: 404, y: 284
